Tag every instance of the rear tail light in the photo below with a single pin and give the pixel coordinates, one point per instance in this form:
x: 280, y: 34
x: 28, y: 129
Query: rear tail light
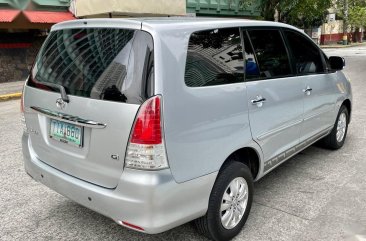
x: 146, y: 149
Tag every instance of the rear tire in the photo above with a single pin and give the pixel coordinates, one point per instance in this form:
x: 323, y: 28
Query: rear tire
x: 337, y: 137
x: 234, y: 178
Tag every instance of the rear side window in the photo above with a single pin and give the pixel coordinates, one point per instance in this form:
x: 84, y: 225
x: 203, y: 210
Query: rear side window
x: 271, y: 53
x: 99, y: 63
x: 214, y: 57
x: 306, y: 55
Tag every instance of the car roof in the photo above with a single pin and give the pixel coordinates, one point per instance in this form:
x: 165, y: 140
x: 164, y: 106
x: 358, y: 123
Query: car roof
x: 166, y: 23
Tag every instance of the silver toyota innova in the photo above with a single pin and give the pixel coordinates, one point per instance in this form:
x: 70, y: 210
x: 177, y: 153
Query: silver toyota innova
x: 158, y: 122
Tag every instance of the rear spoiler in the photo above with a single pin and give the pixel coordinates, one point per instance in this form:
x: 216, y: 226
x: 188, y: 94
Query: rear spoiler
x: 99, y: 23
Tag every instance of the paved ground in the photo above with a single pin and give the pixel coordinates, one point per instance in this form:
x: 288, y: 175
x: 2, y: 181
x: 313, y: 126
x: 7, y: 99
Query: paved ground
x: 337, y: 46
x: 11, y: 87
x: 353, y: 52
x: 317, y: 195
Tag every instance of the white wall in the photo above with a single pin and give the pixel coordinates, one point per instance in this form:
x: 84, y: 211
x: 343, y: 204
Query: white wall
x: 130, y: 7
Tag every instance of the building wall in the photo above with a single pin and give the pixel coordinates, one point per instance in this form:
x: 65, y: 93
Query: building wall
x: 15, y: 62
x: 19, y: 39
x: 56, y: 5
x: 222, y: 8
x: 332, y: 32
x: 85, y: 8
x: 238, y: 8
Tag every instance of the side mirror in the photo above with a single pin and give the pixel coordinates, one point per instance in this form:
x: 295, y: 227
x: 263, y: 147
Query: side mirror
x: 337, y: 63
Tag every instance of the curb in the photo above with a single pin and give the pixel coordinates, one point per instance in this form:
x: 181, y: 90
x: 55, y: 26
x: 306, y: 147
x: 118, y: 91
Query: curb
x: 10, y: 96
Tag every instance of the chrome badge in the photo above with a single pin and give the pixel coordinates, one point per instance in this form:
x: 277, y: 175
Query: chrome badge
x: 60, y: 103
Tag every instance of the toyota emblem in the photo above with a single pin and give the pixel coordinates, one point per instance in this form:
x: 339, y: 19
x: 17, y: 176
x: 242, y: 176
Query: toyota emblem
x: 60, y: 103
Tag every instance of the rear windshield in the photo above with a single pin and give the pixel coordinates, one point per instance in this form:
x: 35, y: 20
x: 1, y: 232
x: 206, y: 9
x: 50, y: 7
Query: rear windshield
x: 99, y: 63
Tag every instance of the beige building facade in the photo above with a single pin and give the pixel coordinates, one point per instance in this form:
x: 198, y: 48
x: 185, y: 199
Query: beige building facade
x: 115, y: 8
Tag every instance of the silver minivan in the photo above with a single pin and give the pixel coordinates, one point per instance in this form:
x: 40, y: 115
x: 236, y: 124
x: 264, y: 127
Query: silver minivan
x: 158, y: 122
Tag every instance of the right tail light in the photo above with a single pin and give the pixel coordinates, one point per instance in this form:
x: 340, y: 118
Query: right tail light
x: 146, y: 148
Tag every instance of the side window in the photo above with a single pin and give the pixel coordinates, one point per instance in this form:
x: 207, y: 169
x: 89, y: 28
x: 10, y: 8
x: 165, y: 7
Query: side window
x: 214, y: 57
x: 251, y: 67
x: 271, y: 53
x: 306, y: 55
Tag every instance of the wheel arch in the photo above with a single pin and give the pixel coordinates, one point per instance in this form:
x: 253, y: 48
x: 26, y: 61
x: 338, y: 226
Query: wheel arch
x: 248, y: 156
x: 348, y: 105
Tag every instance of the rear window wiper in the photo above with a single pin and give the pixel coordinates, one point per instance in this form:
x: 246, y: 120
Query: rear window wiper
x: 62, y: 90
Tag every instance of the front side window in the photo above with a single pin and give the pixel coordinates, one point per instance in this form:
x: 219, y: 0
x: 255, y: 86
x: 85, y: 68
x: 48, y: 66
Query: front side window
x: 214, y: 57
x: 271, y: 53
x: 306, y: 55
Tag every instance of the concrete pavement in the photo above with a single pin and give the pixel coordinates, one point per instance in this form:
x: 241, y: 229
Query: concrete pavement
x: 11, y: 87
x: 11, y: 90
x: 337, y: 46
x: 359, y: 51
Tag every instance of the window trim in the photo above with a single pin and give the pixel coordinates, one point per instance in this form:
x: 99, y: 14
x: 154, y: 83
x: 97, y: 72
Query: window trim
x: 242, y: 31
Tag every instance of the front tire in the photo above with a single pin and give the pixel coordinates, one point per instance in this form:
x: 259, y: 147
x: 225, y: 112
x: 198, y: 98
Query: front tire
x: 337, y: 137
x: 229, y: 204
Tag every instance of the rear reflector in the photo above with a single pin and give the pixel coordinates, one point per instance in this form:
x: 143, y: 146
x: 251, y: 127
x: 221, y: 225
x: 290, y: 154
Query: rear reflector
x: 132, y: 226
x: 146, y: 149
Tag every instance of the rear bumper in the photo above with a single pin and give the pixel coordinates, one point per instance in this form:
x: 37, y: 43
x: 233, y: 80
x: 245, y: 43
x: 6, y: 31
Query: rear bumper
x: 151, y: 200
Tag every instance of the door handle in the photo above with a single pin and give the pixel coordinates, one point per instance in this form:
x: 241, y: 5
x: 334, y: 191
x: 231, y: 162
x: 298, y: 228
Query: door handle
x: 308, y: 90
x: 258, y: 101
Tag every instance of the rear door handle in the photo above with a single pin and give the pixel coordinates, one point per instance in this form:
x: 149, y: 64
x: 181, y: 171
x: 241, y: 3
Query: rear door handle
x: 258, y: 101
x: 308, y: 90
